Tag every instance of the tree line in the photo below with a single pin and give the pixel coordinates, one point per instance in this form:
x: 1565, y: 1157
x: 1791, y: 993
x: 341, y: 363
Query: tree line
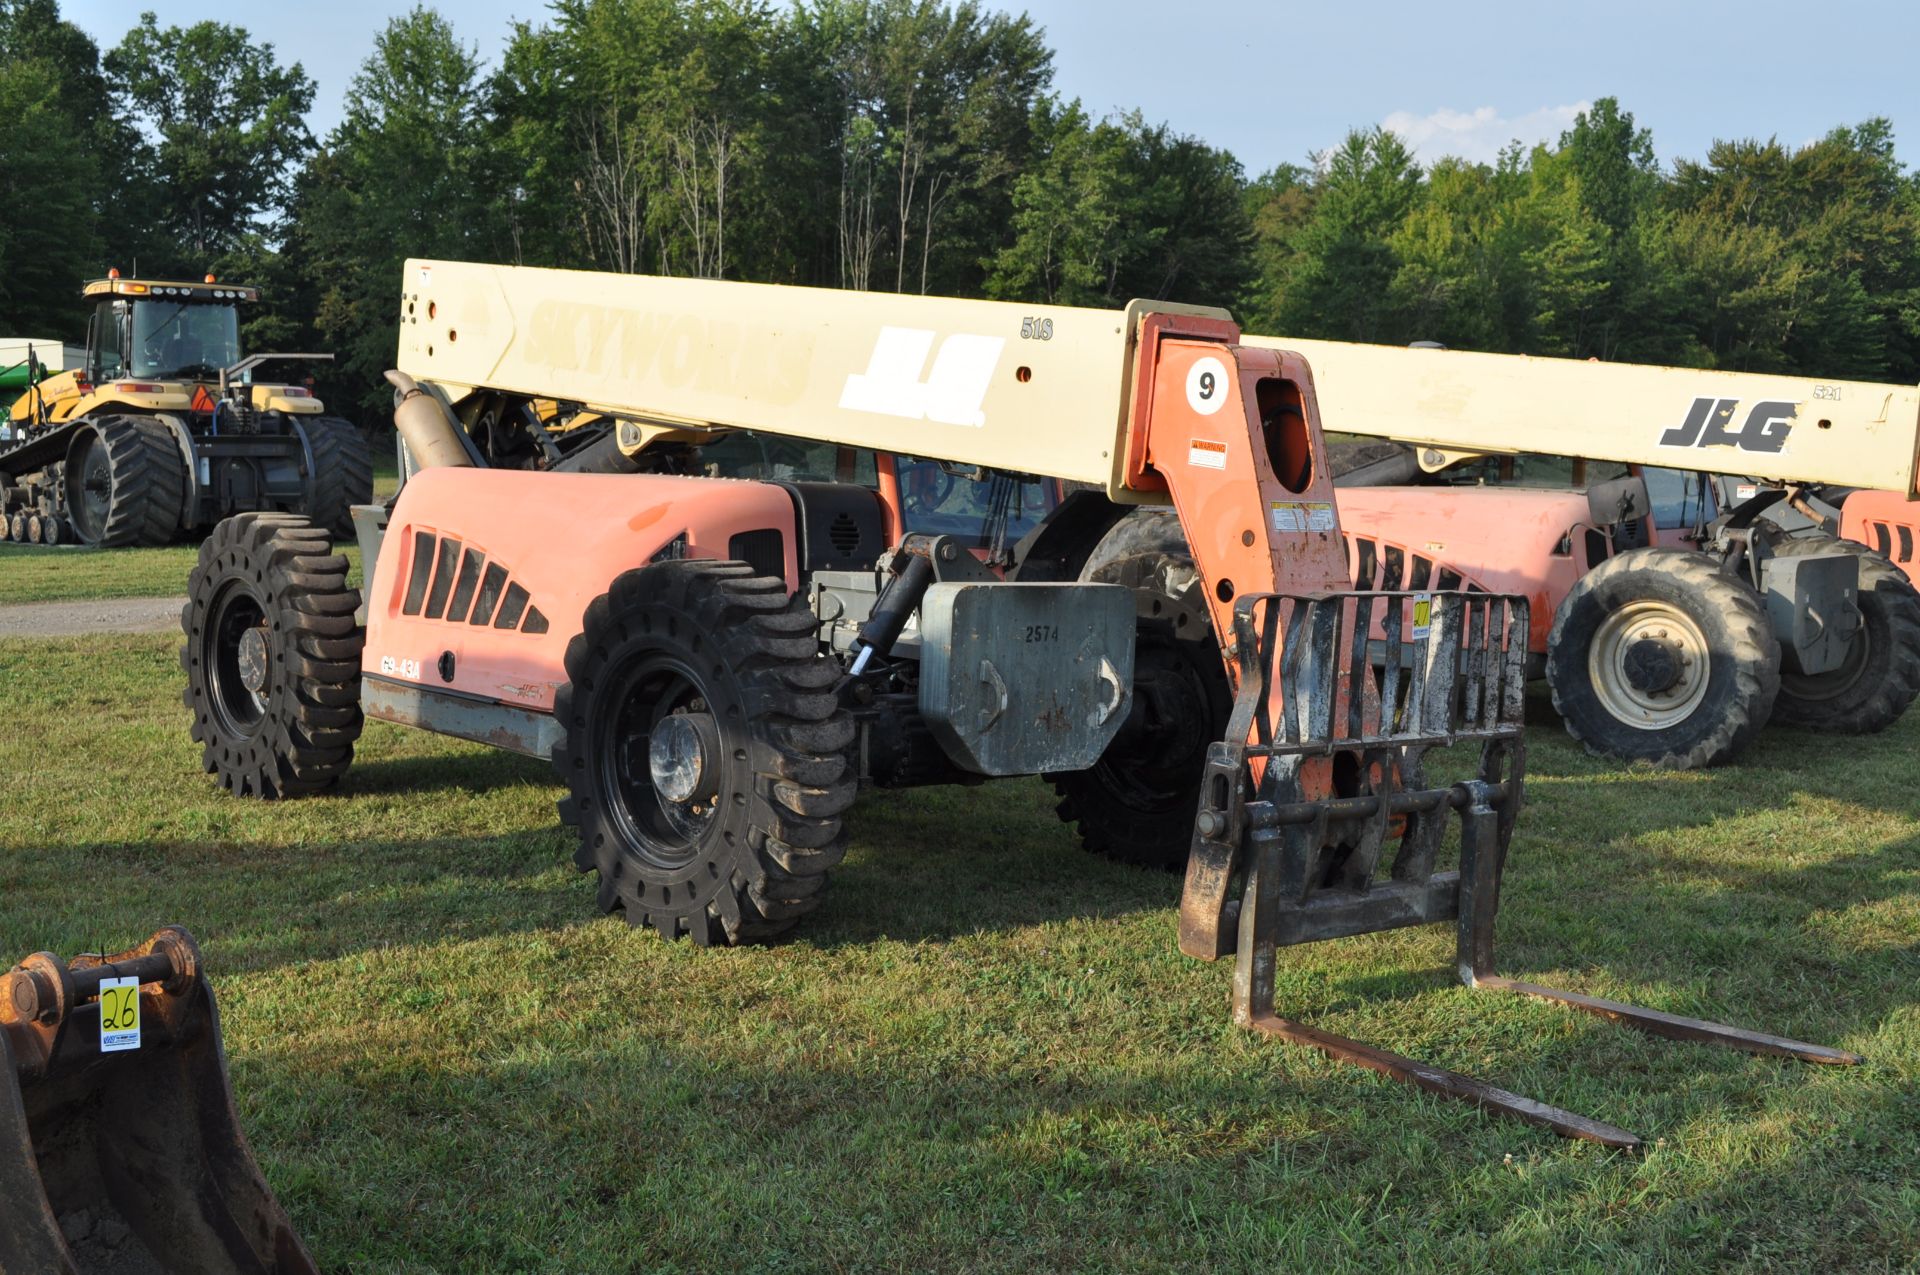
x: 905, y: 146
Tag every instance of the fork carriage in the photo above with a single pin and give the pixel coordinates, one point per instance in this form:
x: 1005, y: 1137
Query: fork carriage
x: 1323, y: 770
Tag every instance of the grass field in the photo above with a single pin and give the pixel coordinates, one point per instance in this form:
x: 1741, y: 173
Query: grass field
x: 984, y: 1051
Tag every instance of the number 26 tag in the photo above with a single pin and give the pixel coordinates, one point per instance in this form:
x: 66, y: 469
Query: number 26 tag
x: 119, y: 1014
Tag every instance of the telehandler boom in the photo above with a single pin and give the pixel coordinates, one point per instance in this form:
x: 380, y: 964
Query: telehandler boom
x: 1675, y: 612
x: 902, y: 593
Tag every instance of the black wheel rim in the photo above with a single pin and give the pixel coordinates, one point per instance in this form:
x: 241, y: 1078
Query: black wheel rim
x: 90, y: 489
x: 1154, y: 770
x: 667, y: 836
x: 1835, y: 682
x: 231, y: 658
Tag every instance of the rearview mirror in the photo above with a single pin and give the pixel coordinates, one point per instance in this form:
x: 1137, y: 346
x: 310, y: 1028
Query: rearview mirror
x: 1620, y: 500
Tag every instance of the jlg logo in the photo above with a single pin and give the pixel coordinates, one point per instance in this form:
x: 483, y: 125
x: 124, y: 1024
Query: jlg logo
x: 1708, y: 420
x: 953, y: 390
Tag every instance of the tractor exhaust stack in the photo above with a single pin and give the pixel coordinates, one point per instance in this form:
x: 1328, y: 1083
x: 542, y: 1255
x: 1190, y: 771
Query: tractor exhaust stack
x: 119, y: 1147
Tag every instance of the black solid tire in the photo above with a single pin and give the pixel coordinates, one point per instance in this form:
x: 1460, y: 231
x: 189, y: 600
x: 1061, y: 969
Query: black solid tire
x: 342, y: 472
x: 747, y: 652
x: 146, y: 483
x: 278, y: 574
x: 1743, y: 658
x: 1139, y: 809
x: 1872, y: 694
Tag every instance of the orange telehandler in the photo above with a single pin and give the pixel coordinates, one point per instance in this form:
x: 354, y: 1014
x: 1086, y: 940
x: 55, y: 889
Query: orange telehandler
x: 879, y: 541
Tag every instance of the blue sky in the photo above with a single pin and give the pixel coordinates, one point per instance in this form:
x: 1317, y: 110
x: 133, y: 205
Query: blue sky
x: 1272, y: 82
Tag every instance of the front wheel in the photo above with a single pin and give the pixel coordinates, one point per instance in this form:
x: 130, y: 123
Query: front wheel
x: 1658, y: 656
x: 1881, y: 675
x: 272, y: 657
x: 705, y: 752
x: 1136, y: 804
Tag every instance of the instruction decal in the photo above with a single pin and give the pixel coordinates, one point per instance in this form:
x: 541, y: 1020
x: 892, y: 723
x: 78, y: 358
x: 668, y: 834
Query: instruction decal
x: 1301, y: 515
x: 1205, y: 453
x: 119, y: 1014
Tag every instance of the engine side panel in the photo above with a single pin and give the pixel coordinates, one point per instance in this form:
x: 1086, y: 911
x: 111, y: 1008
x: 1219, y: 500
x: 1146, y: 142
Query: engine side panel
x: 484, y: 575
x: 1888, y: 523
x: 1501, y: 540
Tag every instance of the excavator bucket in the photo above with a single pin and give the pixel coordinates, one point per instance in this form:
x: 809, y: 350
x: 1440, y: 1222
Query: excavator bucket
x: 1318, y: 818
x: 119, y: 1149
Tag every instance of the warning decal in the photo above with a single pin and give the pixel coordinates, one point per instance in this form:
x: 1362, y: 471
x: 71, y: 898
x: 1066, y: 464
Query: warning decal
x: 1205, y: 453
x: 1301, y: 515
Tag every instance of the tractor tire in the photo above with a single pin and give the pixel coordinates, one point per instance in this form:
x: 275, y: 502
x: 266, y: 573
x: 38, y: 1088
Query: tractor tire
x: 17, y: 528
x: 52, y: 530
x: 1881, y: 677
x: 1136, y: 804
x: 272, y: 657
x: 126, y: 484
x: 1658, y: 656
x: 342, y: 473
x: 722, y: 825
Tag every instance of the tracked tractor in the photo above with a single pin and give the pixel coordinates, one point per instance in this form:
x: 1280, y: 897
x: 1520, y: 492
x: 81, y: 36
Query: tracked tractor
x: 165, y: 429
x: 873, y: 542
x: 1676, y: 610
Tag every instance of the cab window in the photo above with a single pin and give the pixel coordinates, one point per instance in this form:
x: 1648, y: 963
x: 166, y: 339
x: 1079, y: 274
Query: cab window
x: 174, y: 338
x: 964, y: 500
x: 1531, y: 469
x: 109, y: 333
x: 773, y: 458
x: 1680, y: 499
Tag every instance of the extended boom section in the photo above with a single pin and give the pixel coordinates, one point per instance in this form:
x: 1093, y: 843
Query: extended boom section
x: 1788, y: 429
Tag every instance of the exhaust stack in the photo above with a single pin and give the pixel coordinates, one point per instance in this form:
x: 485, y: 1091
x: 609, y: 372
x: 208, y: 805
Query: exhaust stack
x: 431, y: 438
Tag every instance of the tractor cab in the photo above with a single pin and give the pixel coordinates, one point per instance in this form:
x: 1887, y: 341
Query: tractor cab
x: 163, y: 331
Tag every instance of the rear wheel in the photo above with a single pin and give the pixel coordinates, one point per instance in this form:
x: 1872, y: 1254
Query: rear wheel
x: 1658, y: 656
x: 125, y: 482
x: 342, y: 472
x: 272, y: 657
x: 1137, y: 803
x: 705, y: 752
x: 1881, y: 675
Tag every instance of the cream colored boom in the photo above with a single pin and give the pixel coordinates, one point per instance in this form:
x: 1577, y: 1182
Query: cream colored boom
x: 1034, y: 389
x: 1786, y: 428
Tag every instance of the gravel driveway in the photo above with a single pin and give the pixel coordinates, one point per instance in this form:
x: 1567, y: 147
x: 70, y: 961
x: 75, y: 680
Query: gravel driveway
x: 73, y: 619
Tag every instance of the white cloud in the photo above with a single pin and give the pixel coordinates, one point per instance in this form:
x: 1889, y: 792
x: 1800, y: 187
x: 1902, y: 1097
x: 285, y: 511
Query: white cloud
x: 1478, y: 134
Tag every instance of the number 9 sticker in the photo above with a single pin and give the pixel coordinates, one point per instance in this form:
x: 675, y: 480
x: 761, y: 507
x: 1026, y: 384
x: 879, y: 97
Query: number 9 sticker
x: 1207, y: 386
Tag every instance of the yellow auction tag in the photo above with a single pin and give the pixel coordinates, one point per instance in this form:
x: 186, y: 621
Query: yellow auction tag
x: 119, y: 1014
x: 1422, y: 615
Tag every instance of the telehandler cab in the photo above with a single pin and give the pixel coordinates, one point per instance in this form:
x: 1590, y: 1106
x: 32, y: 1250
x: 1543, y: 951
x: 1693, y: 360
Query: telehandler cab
x: 163, y: 429
x: 900, y: 596
x: 1674, y: 611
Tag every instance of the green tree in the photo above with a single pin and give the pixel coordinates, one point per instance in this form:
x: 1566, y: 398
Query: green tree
x: 930, y: 108
x: 223, y: 126
x: 406, y: 173
x: 59, y: 152
x: 1338, y: 282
